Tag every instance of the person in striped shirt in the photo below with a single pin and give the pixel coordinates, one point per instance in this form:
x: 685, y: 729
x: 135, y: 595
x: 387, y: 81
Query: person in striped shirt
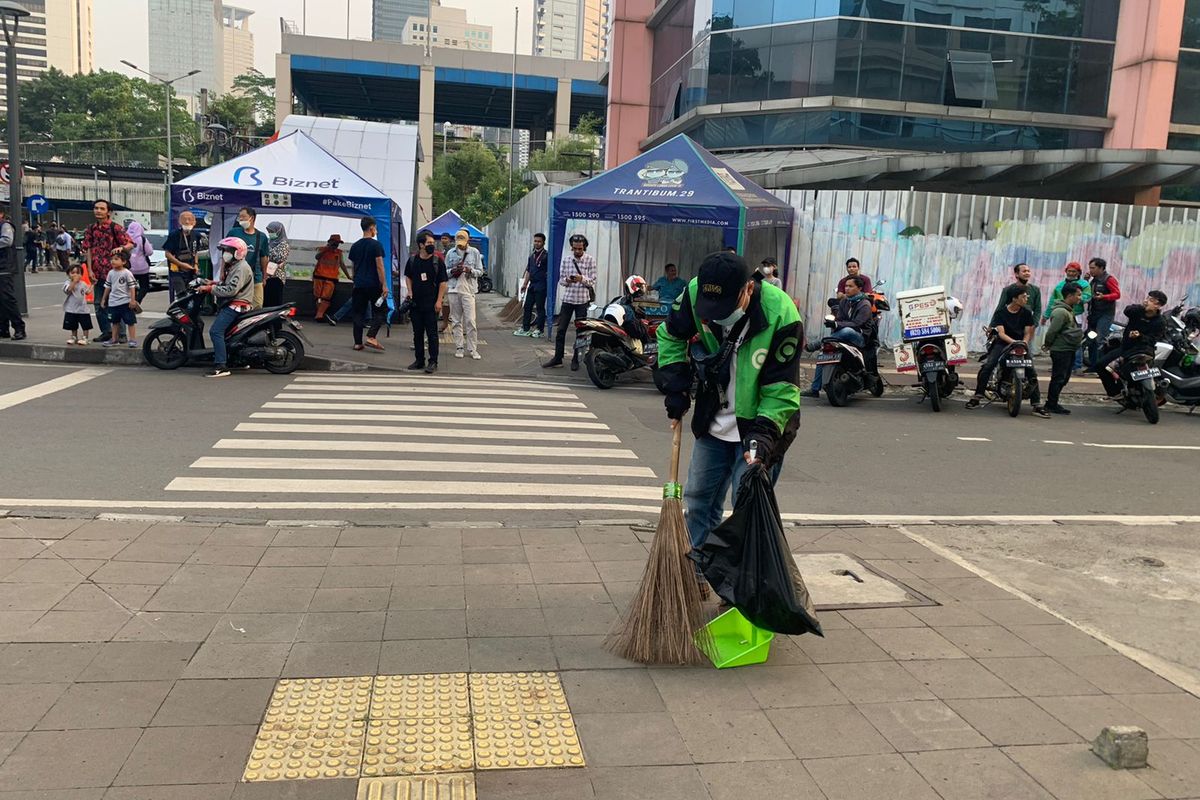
x: 577, y: 282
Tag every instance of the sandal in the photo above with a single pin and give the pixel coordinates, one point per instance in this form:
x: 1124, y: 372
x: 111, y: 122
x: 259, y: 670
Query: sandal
x: 973, y: 402
x: 374, y: 345
x: 358, y: 347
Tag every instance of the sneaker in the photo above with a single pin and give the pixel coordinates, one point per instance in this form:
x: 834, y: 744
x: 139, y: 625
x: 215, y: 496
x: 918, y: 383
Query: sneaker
x: 520, y: 332
x: 217, y: 372
x: 475, y: 355
x: 574, y: 365
x: 416, y: 365
x: 974, y: 402
x: 132, y: 343
x: 122, y: 339
x: 18, y: 336
x: 82, y: 340
x: 536, y: 334
x: 552, y: 363
x: 811, y: 393
x: 431, y: 368
x: 104, y: 337
x: 1040, y: 411
x: 71, y: 340
x: 458, y: 354
x: 109, y: 343
x: 1057, y: 409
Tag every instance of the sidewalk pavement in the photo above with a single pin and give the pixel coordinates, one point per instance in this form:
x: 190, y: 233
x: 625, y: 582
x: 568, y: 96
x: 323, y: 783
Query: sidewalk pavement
x: 142, y: 659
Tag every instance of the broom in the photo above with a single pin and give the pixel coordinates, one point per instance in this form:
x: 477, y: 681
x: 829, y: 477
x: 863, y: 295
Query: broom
x: 668, y: 610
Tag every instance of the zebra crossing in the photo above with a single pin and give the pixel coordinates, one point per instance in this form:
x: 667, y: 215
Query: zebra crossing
x: 488, y: 446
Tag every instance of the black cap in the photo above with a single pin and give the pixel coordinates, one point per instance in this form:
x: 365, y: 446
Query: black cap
x: 720, y: 280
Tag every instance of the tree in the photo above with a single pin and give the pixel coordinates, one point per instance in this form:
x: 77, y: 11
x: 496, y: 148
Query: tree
x: 234, y: 112
x: 578, y: 152
x: 474, y: 181
x: 260, y: 91
x: 100, y: 116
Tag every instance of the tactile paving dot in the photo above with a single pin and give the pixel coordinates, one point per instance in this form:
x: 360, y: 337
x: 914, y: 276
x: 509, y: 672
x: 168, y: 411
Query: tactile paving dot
x: 517, y: 693
x: 525, y: 741
x: 414, y: 746
x: 425, y: 787
x: 326, y: 750
x: 306, y: 702
x: 421, y: 696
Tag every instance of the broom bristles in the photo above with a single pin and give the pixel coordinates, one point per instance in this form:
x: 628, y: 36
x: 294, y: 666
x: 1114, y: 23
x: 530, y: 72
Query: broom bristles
x: 667, y: 612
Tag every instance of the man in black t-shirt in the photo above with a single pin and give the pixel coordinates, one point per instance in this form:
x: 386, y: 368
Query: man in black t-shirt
x: 425, y: 278
x: 370, y: 285
x: 1012, y: 322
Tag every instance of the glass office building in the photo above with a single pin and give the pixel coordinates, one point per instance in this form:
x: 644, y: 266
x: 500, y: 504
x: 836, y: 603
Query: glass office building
x: 896, y: 74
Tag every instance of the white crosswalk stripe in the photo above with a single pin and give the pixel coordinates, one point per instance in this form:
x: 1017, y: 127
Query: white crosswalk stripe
x: 500, y: 446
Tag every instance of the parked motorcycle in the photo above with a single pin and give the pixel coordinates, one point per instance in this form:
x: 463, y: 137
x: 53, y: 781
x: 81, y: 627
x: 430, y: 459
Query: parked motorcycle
x: 607, y: 349
x: 485, y: 283
x: 845, y: 369
x: 258, y: 338
x: 1009, y: 383
x: 929, y: 350
x: 1137, y: 378
x: 1178, y: 358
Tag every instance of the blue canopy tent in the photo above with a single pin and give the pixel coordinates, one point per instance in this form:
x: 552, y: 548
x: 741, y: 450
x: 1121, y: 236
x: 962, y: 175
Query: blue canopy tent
x: 676, y: 183
x: 451, y: 222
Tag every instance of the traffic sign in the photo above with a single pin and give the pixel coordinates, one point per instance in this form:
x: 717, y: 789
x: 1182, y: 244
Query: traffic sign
x: 4, y: 172
x: 37, y: 204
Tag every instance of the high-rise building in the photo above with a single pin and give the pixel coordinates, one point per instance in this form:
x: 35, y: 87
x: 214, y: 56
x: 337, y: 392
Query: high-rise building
x: 575, y: 29
x: 65, y: 45
x: 237, y: 45
x: 389, y: 18
x: 186, y: 35
x: 449, y: 28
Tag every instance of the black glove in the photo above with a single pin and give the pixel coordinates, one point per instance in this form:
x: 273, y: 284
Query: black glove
x: 677, y: 404
x: 765, y: 442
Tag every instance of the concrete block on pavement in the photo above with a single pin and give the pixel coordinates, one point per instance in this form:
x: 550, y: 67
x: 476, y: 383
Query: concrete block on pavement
x: 1122, y: 746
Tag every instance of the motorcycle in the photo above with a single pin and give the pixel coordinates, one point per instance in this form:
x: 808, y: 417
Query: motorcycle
x: 849, y: 369
x: 1178, y: 358
x: 607, y: 349
x: 1009, y: 383
x: 1137, y: 378
x: 258, y: 338
x: 929, y: 350
x: 485, y: 283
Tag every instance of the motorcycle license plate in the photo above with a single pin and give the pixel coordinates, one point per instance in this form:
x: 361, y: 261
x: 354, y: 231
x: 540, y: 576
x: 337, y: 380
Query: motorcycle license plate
x: 1143, y: 374
x: 583, y: 341
x: 932, y: 366
x: 829, y: 358
x: 1018, y: 362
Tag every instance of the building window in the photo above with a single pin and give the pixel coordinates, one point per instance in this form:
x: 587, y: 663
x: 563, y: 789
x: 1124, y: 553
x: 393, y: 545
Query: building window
x: 974, y: 75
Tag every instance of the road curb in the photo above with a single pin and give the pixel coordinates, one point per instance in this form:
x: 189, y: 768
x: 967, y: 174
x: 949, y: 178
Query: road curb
x: 132, y: 357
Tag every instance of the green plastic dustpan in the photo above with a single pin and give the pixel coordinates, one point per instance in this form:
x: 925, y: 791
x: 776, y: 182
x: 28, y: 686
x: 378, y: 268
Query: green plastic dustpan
x: 731, y: 640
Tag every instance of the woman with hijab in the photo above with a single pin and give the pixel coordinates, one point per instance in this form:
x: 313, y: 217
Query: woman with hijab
x: 277, y: 265
x: 139, y: 258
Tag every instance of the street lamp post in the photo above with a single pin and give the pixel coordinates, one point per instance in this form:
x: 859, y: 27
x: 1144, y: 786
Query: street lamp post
x: 446, y: 128
x: 10, y: 15
x: 167, y: 85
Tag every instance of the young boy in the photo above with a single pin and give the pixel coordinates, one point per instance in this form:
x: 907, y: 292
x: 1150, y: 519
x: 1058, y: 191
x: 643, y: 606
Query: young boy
x: 77, y: 315
x: 120, y: 298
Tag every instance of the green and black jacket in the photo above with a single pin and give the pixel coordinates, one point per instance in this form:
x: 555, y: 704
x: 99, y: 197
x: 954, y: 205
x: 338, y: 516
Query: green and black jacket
x: 766, y: 396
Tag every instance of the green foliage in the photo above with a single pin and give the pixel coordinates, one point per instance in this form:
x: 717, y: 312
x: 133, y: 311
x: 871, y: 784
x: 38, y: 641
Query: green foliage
x: 260, y: 91
x: 474, y: 181
x: 589, y: 125
x: 576, y: 153
x: 57, y: 108
x: 234, y: 112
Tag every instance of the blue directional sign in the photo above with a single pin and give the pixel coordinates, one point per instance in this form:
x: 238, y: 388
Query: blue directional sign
x: 37, y: 204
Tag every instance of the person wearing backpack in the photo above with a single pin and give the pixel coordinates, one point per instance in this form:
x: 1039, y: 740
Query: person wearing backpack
x: 1063, y: 338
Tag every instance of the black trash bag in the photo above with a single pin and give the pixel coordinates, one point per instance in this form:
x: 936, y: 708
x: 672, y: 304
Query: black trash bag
x: 747, y: 561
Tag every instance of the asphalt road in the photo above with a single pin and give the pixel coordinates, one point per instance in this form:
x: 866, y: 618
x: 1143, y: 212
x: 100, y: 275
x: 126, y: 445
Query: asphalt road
x: 127, y: 433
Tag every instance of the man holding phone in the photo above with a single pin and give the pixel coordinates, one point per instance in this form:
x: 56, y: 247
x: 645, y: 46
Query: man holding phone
x: 577, y: 277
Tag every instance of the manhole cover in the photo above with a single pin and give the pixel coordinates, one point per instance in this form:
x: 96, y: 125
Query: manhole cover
x: 839, y: 580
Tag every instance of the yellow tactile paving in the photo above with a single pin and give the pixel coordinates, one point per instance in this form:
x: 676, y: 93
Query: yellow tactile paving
x: 517, y: 693
x: 416, y: 746
x: 421, y: 696
x: 425, y: 726
x: 524, y: 741
x: 426, y: 787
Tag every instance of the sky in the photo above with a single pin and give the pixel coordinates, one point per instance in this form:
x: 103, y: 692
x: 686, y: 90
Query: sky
x: 121, y: 30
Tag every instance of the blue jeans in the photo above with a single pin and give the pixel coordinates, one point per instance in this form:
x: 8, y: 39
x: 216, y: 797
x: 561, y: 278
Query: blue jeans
x: 847, y: 335
x: 344, y: 311
x: 225, y: 317
x: 1100, y: 324
x: 101, y: 313
x: 716, y: 466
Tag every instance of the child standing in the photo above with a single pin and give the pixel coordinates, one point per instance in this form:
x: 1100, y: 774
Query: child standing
x: 77, y: 315
x: 120, y: 298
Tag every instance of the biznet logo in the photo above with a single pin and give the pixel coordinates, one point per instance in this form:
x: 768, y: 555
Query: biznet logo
x: 249, y: 176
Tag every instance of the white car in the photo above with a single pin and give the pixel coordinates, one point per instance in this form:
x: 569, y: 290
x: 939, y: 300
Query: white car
x: 160, y: 270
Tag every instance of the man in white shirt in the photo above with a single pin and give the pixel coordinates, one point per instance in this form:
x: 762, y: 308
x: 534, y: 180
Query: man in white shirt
x: 464, y: 265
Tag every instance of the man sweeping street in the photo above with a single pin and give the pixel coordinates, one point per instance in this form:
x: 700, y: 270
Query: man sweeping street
x: 745, y: 369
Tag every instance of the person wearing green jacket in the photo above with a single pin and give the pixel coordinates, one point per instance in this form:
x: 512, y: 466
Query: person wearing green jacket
x: 738, y: 342
x: 1021, y: 275
x: 1074, y: 272
x: 1063, y: 338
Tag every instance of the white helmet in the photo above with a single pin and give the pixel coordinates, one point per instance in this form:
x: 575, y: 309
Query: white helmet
x: 954, y: 306
x: 615, y: 312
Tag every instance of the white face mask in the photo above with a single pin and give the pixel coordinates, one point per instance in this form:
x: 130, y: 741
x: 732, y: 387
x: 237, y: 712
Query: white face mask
x: 245, y: 223
x: 731, y: 320
x: 187, y: 228
x: 227, y: 257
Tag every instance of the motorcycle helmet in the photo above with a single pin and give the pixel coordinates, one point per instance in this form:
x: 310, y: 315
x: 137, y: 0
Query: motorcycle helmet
x: 615, y: 312
x: 954, y: 307
x: 1191, y: 319
x: 232, y: 244
x: 635, y: 285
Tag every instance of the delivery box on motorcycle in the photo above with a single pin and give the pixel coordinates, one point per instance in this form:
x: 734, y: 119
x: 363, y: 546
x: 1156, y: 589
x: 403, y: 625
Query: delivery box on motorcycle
x: 923, y: 313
